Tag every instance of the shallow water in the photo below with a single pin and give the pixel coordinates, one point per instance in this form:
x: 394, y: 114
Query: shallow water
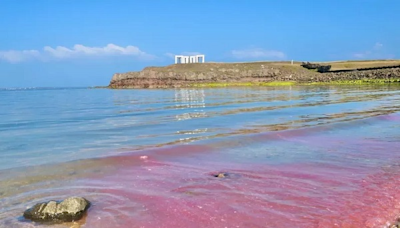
x: 297, y: 156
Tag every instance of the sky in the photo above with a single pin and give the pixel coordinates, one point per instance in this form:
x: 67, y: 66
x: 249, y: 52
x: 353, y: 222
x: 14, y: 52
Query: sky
x: 63, y: 43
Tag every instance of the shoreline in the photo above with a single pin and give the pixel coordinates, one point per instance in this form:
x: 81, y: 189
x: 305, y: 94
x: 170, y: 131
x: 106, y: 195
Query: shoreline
x: 273, y: 83
x: 254, y: 74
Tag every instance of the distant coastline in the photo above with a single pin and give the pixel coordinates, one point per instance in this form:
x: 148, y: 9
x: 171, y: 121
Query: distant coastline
x: 257, y: 73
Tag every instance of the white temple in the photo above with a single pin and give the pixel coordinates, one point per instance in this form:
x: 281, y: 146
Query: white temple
x: 189, y: 59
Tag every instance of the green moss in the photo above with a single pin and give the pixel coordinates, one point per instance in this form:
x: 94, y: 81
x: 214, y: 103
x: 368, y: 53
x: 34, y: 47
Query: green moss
x: 355, y: 82
x: 279, y: 83
x: 393, y: 81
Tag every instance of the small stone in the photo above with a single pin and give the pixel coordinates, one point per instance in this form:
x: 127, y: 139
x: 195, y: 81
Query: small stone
x: 68, y: 210
x: 221, y: 175
x: 396, y: 225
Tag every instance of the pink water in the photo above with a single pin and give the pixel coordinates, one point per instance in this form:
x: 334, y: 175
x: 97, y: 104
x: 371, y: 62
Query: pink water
x: 301, y: 195
x: 337, y: 164
x: 346, y: 182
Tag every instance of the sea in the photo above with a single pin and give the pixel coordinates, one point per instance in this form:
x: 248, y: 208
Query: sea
x: 293, y: 156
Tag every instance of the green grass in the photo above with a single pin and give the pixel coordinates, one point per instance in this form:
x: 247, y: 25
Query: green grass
x: 344, y: 65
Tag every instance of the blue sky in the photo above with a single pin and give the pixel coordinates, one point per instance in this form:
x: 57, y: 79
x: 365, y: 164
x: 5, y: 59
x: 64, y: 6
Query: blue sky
x: 83, y: 43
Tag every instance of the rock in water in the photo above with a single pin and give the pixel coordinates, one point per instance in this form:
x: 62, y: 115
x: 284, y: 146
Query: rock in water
x: 68, y: 210
x: 221, y: 175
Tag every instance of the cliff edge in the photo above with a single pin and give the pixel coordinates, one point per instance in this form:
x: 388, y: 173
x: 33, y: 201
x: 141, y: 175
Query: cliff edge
x: 188, y: 75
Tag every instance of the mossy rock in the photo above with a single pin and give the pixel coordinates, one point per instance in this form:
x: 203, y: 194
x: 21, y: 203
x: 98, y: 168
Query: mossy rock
x: 68, y: 210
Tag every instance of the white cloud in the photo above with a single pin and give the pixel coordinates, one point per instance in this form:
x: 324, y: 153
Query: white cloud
x: 77, y: 51
x: 257, y: 53
x: 18, y: 56
x: 376, y: 52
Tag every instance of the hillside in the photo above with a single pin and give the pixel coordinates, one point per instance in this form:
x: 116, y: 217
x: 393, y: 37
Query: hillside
x: 253, y: 73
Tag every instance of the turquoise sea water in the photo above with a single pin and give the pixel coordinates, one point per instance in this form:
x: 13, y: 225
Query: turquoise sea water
x: 280, y: 144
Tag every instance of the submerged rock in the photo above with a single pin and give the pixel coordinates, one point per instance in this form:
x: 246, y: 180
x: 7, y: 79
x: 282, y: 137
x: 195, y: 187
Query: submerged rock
x: 227, y: 175
x: 396, y: 225
x: 221, y: 175
x: 68, y: 210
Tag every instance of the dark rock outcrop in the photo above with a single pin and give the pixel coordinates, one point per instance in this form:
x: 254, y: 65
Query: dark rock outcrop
x: 68, y: 210
x: 309, y: 65
x: 312, y: 66
x: 323, y: 69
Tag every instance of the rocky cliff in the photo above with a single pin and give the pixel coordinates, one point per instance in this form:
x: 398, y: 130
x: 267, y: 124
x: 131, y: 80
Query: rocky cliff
x: 187, y: 75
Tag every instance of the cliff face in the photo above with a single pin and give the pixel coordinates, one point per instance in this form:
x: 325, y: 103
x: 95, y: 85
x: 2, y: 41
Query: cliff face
x: 186, y: 75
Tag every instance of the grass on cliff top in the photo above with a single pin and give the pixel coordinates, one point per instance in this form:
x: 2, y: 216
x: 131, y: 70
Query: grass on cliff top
x: 347, y: 65
x: 221, y: 68
x: 336, y: 65
x: 343, y: 65
x: 350, y: 64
